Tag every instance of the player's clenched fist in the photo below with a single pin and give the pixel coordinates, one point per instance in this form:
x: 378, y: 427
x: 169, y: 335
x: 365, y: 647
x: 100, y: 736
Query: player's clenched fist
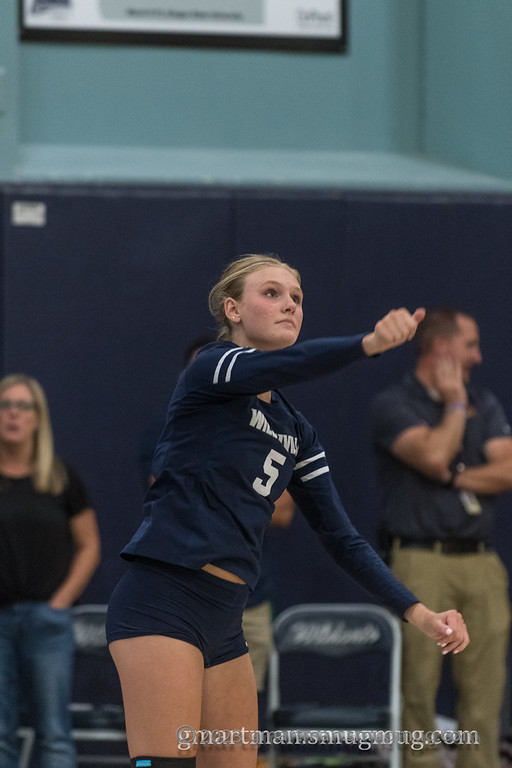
x: 398, y: 326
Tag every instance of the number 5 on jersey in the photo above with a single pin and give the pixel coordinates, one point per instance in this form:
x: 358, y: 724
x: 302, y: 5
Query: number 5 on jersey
x: 263, y: 486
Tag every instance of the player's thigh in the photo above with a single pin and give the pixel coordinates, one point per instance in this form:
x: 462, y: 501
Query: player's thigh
x: 161, y: 680
x: 230, y: 714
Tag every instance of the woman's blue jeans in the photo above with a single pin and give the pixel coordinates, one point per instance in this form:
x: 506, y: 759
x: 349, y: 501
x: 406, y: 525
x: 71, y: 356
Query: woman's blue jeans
x: 36, y: 669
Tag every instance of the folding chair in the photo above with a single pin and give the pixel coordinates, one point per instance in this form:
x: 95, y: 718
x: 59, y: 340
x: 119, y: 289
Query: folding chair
x: 331, y: 635
x: 91, y: 722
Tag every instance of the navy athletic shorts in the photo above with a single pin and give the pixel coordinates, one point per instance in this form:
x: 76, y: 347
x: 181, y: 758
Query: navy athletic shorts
x: 154, y: 598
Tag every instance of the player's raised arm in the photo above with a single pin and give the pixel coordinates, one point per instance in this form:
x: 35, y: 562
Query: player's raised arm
x: 398, y: 326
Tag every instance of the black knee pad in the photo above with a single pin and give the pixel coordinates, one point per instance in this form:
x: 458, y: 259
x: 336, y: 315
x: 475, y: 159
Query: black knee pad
x: 163, y: 762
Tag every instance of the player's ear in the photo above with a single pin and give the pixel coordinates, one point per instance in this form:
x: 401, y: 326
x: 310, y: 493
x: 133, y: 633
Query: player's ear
x: 231, y: 310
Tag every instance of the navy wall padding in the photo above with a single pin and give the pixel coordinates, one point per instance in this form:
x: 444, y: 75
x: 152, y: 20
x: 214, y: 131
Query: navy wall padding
x: 101, y: 302
x: 359, y: 255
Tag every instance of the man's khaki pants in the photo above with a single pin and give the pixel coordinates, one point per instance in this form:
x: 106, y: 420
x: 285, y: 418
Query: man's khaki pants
x: 257, y: 627
x: 477, y: 586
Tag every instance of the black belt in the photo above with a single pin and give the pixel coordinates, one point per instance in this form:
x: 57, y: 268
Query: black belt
x: 446, y: 546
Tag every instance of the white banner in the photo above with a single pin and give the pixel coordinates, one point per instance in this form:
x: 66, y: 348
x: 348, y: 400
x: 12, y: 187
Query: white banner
x: 306, y: 20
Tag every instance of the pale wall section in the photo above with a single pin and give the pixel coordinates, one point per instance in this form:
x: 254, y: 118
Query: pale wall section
x: 418, y: 102
x: 468, y: 84
x: 221, y: 99
x: 9, y: 89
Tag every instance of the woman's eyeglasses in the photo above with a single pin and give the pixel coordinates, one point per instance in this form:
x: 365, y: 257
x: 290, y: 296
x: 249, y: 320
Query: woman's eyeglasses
x: 19, y: 405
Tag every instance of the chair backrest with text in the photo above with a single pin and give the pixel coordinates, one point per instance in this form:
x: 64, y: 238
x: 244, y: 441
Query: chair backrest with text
x: 323, y: 641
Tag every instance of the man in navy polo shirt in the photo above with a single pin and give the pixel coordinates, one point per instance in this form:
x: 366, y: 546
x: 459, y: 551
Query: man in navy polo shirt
x: 444, y: 451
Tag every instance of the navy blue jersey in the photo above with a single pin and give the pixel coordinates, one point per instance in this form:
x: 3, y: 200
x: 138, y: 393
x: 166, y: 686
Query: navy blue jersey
x: 225, y: 456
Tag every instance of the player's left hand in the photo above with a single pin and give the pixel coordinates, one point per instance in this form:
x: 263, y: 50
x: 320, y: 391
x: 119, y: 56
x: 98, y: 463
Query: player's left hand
x: 447, y: 628
x: 458, y: 638
x: 398, y: 326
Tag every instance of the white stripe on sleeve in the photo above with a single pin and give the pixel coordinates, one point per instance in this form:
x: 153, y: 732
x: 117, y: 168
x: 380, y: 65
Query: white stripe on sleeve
x: 233, y: 361
x: 308, y: 461
x: 235, y: 352
x: 316, y: 472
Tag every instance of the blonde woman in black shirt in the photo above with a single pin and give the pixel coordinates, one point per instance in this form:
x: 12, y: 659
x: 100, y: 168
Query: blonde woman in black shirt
x: 49, y: 549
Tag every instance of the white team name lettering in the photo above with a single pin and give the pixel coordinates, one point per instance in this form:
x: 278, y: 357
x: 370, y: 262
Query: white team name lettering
x: 289, y: 442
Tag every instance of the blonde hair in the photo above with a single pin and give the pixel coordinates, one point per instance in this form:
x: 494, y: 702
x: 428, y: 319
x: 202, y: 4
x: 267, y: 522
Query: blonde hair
x: 49, y: 474
x: 232, y: 282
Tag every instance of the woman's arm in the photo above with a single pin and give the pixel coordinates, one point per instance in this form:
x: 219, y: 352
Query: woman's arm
x: 316, y: 497
x: 84, y: 530
x: 226, y: 369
